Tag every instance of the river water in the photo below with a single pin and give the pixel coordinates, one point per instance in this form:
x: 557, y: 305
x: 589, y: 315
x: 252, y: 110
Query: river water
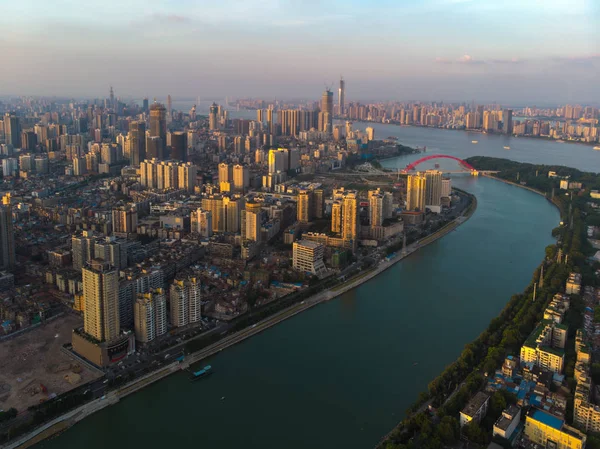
x: 343, y: 373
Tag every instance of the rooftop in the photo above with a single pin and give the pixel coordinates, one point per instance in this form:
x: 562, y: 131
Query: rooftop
x: 547, y: 419
x: 475, y: 404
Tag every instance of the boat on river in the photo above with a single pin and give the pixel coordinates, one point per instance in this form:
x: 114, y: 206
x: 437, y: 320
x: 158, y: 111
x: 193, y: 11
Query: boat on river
x: 474, y: 141
x: 597, y: 147
x: 204, y: 372
x: 507, y: 147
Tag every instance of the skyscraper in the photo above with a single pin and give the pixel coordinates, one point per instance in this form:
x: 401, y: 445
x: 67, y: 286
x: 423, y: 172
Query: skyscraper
x: 169, y: 109
x: 12, y: 131
x: 7, y: 239
x: 241, y: 177
x: 145, y: 104
x: 137, y: 143
x: 179, y: 146
x: 376, y: 209
x: 350, y: 209
x: 101, y: 297
x: 213, y: 123
x: 327, y: 111
x: 150, y: 315
x: 155, y: 148
x: 433, y: 190
x: 158, y: 122
x: 341, y: 96
x: 112, y: 98
x: 507, y: 121
x: 415, y: 192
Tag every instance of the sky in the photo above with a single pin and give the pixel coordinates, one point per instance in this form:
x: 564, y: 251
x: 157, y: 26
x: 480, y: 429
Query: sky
x: 509, y: 51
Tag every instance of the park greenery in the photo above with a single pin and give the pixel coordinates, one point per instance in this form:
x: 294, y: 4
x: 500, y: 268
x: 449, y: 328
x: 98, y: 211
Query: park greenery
x: 431, y: 421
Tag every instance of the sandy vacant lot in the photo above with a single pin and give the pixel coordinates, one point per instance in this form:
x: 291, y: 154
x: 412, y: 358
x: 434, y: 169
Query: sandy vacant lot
x: 33, y: 361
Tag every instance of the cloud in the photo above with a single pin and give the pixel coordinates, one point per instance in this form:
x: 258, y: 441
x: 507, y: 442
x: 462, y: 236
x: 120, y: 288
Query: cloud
x: 464, y: 59
x: 508, y: 61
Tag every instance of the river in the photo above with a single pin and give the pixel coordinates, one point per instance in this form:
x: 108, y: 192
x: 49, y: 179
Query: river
x: 343, y: 373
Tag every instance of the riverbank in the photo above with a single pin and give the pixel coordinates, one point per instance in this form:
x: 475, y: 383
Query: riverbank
x: 114, y: 397
x: 479, y: 131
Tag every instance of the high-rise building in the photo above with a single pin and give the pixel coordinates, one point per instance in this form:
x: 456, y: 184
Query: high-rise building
x: 370, y: 133
x: 376, y: 209
x: 137, y: 143
x: 305, y: 208
x: 415, y: 192
x: 7, y: 239
x: 185, y: 301
x: 225, y: 172
x: 150, y: 315
x: 179, y: 146
x: 155, y: 148
x: 327, y: 111
x: 213, y: 122
x: 433, y: 189
x: 204, y: 223
x: 260, y: 115
x: 12, y: 130
x: 278, y: 160
x: 145, y: 105
x: 336, y: 217
x: 241, y: 177
x: 350, y: 222
x: 124, y: 220
x: 101, y: 299
x: 169, y: 109
x: 341, y: 96
x: 158, y: 123
x: 446, y: 187
x: 28, y: 140
x: 253, y: 221
x: 308, y: 257
x: 318, y: 203
x: 82, y: 248
x: 186, y: 176
x: 507, y: 123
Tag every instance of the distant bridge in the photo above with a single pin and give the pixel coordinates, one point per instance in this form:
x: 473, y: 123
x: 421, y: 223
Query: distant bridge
x: 466, y: 167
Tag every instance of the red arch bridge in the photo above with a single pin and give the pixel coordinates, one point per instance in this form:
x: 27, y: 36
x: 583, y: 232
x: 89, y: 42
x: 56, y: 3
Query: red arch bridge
x: 466, y: 167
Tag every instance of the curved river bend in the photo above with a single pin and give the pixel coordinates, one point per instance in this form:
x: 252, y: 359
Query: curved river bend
x: 342, y: 373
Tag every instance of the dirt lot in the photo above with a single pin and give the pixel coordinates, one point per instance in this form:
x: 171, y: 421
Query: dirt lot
x: 33, y: 361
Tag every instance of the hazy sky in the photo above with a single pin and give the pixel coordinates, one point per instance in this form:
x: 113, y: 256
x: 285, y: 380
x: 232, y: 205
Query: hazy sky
x: 510, y: 51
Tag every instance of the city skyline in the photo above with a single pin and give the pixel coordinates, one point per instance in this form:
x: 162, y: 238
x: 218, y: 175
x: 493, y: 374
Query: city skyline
x: 437, y: 49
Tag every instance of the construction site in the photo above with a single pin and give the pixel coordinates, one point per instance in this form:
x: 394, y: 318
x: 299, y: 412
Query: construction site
x: 35, y: 369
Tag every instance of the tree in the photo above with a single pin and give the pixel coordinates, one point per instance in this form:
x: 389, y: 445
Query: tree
x: 447, y: 430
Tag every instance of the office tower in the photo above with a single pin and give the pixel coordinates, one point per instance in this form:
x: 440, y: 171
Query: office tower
x: 507, y: 122
x: 341, y: 96
x: 241, y: 177
x: 179, y: 146
x: 7, y: 239
x: 154, y: 148
x: 327, y: 110
x: 225, y: 172
x: 186, y: 176
x: 145, y: 105
x: 101, y: 299
x: 158, y: 123
x: 169, y: 109
x: 433, y: 189
x: 28, y: 140
x: 308, y: 257
x: 304, y: 206
x: 350, y: 209
x: 112, y: 98
x: 318, y: 203
x: 184, y: 296
x: 124, y: 220
x: 137, y: 143
x: 213, y: 123
x: 204, y: 223
x: 150, y: 315
x: 12, y: 130
x: 82, y: 248
x: 260, y: 115
x: 415, y: 192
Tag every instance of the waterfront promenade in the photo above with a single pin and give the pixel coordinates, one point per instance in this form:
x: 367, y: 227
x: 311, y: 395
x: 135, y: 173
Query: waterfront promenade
x: 74, y: 416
